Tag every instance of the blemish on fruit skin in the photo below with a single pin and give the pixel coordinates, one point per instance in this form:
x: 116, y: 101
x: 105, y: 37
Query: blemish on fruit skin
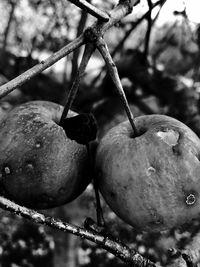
x: 151, y: 170
x: 113, y: 195
x: 29, y: 166
x: 7, y: 170
x: 46, y: 198
x: 176, y: 150
x: 61, y: 190
x: 38, y: 145
x: 169, y: 136
x: 190, y: 199
x: 125, y: 187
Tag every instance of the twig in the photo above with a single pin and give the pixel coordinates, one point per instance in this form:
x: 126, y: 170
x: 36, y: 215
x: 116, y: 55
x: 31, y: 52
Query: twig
x: 7, y: 30
x: 116, y: 248
x: 133, y: 26
x: 148, y: 33
x: 120, y: 11
x: 92, y: 10
x: 80, y: 28
x: 27, y: 75
x: 103, y: 49
x: 89, y: 48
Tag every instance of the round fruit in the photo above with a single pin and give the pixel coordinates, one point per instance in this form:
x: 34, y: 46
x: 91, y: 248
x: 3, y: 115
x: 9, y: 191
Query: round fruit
x: 40, y: 167
x: 151, y: 181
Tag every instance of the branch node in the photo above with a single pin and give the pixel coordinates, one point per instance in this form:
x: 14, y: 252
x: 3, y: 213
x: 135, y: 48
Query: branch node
x: 92, y: 226
x: 91, y: 35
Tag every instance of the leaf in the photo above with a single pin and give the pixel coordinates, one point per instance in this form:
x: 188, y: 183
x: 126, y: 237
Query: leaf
x: 81, y: 128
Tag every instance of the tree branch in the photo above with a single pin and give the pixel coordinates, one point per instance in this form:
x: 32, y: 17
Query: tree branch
x: 80, y: 28
x: 119, y: 12
x: 118, y: 249
x: 7, y: 30
x: 27, y: 75
x: 92, y: 10
x: 148, y: 33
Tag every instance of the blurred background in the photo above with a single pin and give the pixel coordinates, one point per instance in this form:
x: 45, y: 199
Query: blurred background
x: 158, y: 58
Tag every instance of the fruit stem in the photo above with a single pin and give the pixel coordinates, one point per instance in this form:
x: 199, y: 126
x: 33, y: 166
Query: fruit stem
x: 89, y: 49
x: 99, y: 211
x: 112, y: 69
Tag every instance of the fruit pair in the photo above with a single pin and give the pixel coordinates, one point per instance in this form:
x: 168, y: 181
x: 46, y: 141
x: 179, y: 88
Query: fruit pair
x: 150, y: 180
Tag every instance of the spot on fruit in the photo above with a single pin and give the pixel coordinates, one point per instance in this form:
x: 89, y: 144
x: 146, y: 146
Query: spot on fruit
x: 190, y: 199
x: 7, y: 170
x: 151, y: 170
x: 62, y: 190
x: 176, y: 150
x: 169, y: 136
x: 112, y: 194
x: 30, y: 166
x: 45, y: 198
x: 38, y: 145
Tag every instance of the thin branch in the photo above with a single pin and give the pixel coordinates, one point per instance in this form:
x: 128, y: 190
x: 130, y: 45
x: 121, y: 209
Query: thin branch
x: 103, y: 49
x: 119, y: 12
x: 92, y: 10
x: 89, y: 48
x: 27, y: 75
x: 118, y: 249
x: 80, y: 28
x: 148, y: 33
x: 7, y: 30
x: 134, y: 25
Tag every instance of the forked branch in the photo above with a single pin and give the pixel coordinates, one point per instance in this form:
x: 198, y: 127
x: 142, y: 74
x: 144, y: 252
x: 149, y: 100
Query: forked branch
x: 112, y: 69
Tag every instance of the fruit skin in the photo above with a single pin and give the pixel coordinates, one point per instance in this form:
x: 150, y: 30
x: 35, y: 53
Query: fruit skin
x: 151, y: 181
x: 40, y: 166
